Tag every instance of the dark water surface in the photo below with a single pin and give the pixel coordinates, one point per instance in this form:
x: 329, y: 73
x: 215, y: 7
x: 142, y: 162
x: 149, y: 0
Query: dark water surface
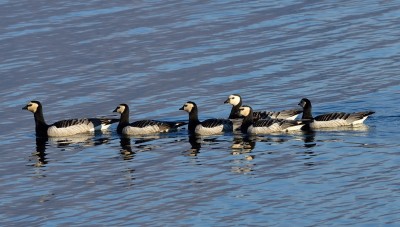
x: 83, y: 59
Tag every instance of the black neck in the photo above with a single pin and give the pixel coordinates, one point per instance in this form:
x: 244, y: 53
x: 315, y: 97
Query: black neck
x: 234, y: 111
x: 124, y: 120
x: 40, y: 125
x: 193, y: 120
x: 247, y: 122
x: 307, y: 109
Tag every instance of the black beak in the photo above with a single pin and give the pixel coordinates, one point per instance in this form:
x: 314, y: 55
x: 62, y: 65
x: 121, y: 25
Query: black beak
x: 25, y: 107
x: 181, y: 108
x: 226, y: 101
x: 115, y: 110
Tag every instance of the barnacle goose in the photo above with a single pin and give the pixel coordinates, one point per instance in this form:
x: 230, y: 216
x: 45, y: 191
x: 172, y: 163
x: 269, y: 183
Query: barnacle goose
x: 142, y: 127
x: 236, y: 101
x: 265, y: 126
x: 206, y: 127
x: 330, y: 120
x: 65, y: 127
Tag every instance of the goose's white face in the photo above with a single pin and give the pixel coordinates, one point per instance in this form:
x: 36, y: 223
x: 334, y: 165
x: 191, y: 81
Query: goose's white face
x: 233, y: 99
x: 120, y: 109
x: 31, y: 106
x: 188, y: 107
x: 244, y: 111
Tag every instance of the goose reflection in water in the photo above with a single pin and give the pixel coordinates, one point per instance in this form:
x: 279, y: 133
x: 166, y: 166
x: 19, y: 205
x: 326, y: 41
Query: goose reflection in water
x: 309, y: 139
x: 243, y: 144
x: 126, y: 148
x: 128, y: 151
x: 64, y: 143
x: 195, y: 143
x: 85, y: 140
x: 40, y: 153
x: 309, y: 135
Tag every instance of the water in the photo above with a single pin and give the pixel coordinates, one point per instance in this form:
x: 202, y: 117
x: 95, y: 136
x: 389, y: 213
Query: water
x: 83, y: 59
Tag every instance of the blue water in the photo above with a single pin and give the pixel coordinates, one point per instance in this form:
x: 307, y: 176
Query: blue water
x: 83, y: 59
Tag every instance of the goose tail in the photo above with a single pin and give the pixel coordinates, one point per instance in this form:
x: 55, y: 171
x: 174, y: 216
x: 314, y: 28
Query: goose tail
x: 178, y: 124
x: 108, y: 121
x: 367, y: 113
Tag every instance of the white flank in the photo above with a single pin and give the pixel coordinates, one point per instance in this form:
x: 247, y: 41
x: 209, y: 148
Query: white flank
x: 294, y: 128
x: 200, y: 130
x: 329, y: 124
x: 128, y: 130
x: 264, y: 130
x: 68, y: 131
x: 271, y: 129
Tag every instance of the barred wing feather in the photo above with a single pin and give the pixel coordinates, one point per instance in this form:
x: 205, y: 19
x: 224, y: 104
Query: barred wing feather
x: 210, y: 123
x: 71, y: 122
x: 143, y: 123
x: 284, y: 114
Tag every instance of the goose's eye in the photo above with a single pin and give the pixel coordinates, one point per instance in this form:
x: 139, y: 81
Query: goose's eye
x: 29, y: 104
x: 185, y: 105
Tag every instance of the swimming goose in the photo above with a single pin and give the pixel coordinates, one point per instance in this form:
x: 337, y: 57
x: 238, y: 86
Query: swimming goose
x: 331, y: 120
x: 236, y: 101
x: 65, y: 127
x: 142, y: 127
x: 206, y: 127
x: 265, y: 126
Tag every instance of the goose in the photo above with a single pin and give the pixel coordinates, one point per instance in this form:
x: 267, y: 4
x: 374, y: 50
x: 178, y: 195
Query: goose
x: 206, y: 127
x: 142, y: 127
x: 331, y: 120
x: 236, y: 101
x: 265, y: 126
x: 65, y: 127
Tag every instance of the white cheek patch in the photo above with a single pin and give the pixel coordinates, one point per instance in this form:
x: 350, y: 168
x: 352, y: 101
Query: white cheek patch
x: 188, y: 107
x: 121, y: 109
x: 234, y: 100
x: 244, y: 111
x: 33, y: 107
